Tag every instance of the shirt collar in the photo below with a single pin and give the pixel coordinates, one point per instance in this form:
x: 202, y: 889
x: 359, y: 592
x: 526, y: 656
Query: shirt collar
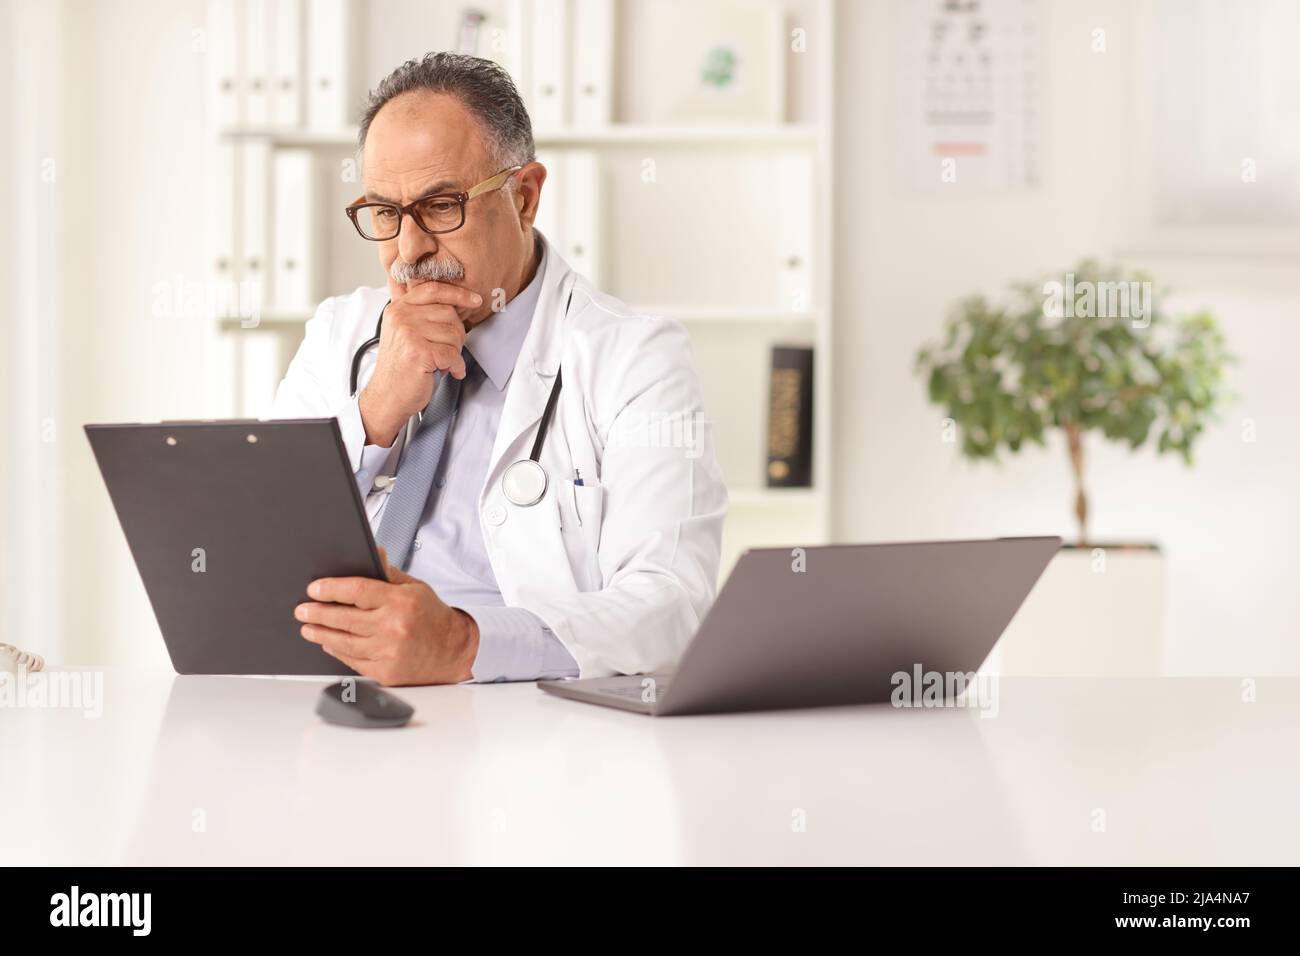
x: 495, y: 342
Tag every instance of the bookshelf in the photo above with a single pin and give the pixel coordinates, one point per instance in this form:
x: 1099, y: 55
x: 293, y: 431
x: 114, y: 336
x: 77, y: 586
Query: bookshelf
x: 791, y: 134
x: 722, y: 222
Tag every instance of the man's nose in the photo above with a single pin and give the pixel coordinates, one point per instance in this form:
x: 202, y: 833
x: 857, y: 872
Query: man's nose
x: 413, y: 242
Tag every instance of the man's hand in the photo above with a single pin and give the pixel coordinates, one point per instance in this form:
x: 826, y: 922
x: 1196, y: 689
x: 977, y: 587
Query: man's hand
x: 422, y: 334
x: 398, y: 632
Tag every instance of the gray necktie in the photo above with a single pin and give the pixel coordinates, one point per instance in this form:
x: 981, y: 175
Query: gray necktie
x: 405, y: 505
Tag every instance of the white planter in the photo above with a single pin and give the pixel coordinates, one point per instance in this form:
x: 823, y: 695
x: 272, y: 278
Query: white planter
x: 1096, y: 612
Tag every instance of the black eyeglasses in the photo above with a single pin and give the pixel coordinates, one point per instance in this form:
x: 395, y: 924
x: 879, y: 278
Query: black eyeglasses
x: 445, y: 212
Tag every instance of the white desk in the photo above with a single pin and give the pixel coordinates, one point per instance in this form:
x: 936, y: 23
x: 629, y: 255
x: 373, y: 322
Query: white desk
x: 1184, y: 772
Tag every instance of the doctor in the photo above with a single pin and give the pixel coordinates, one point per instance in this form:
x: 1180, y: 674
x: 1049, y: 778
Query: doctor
x: 532, y: 454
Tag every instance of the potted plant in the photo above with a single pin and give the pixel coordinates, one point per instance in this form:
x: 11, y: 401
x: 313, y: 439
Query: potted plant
x: 1086, y: 352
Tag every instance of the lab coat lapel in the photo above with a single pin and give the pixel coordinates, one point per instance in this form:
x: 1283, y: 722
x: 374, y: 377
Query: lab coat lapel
x: 535, y: 369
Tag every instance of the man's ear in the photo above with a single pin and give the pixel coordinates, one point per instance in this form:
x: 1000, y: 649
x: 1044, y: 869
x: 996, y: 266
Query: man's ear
x: 528, y: 192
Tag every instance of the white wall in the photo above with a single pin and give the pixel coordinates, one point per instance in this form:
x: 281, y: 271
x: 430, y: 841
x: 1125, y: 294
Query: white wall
x: 33, y: 166
x: 1229, y: 526
x: 136, y: 149
x: 135, y: 146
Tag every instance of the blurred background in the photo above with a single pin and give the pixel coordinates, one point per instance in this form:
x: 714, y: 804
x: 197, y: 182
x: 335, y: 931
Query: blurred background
x: 811, y: 186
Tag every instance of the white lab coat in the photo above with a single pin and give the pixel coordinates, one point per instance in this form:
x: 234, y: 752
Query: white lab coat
x: 626, y: 589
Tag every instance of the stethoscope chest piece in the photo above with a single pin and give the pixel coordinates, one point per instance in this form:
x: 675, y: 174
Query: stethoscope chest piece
x: 524, y: 483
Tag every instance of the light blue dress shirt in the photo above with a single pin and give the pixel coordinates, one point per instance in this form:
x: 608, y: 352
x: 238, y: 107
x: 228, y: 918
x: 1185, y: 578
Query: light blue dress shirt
x: 448, y: 553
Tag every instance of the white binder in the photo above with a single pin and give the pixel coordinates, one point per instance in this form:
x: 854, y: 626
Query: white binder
x: 220, y: 216
x: 593, y: 43
x: 792, y: 205
x: 569, y: 214
x: 504, y: 41
x: 330, y: 64
x: 580, y: 212
x: 255, y: 21
x: 222, y: 52
x: 548, y: 49
x: 286, y: 63
x: 295, y: 228
x: 254, y: 169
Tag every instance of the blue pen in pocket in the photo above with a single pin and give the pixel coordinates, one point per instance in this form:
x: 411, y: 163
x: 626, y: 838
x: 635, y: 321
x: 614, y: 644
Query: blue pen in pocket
x: 577, y: 483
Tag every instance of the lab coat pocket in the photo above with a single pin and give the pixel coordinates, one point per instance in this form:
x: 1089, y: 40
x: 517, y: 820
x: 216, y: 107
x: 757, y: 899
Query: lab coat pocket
x: 534, y: 531
x: 580, y: 514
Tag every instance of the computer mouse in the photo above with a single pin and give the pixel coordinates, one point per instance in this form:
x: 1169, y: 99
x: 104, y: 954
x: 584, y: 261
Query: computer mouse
x: 359, y: 703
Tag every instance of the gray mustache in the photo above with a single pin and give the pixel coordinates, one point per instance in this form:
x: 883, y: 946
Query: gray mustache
x: 432, y: 268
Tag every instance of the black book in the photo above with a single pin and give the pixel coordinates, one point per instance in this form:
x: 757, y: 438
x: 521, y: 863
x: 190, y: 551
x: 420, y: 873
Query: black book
x: 790, y: 418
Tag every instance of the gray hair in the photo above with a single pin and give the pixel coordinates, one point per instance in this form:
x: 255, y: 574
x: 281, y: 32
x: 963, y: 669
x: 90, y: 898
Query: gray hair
x: 481, y: 86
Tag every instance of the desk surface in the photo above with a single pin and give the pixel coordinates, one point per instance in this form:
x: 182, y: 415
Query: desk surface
x: 193, y: 770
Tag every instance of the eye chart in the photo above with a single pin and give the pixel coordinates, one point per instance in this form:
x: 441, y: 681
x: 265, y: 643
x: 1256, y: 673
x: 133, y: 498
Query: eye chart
x: 968, y: 81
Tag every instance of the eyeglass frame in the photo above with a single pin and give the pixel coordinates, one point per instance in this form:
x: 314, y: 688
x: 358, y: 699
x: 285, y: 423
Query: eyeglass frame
x: 488, y: 185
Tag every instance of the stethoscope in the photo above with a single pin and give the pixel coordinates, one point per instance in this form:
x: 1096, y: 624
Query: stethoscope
x: 525, y: 481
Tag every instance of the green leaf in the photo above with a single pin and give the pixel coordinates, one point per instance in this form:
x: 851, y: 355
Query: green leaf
x: 1007, y: 374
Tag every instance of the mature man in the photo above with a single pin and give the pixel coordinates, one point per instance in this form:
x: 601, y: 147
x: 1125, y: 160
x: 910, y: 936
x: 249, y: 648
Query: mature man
x: 598, y: 555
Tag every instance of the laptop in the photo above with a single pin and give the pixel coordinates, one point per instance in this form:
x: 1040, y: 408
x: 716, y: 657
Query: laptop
x: 821, y: 626
x: 228, y: 522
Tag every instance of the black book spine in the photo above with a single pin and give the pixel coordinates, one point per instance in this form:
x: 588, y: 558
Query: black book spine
x: 790, y: 418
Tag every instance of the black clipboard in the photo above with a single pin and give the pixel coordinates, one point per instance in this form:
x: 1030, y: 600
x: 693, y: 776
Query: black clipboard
x: 228, y: 522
